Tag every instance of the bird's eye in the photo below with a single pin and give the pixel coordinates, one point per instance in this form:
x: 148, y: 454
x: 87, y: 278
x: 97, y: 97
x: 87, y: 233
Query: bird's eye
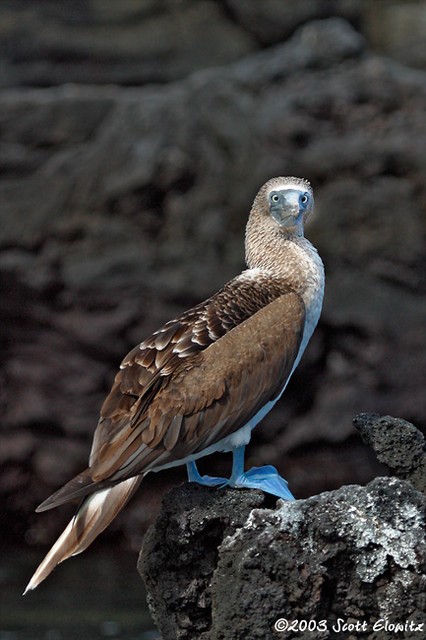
x: 304, y: 199
x: 275, y: 197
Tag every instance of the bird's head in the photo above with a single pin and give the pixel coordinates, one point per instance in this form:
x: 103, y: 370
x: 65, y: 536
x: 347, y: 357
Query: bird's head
x: 279, y: 210
x: 287, y: 201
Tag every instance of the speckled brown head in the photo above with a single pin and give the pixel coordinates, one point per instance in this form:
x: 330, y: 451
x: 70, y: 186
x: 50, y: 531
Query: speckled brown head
x: 280, y: 210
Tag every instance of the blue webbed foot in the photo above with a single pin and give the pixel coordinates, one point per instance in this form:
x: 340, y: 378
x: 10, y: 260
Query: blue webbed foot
x: 207, y: 481
x: 266, y: 479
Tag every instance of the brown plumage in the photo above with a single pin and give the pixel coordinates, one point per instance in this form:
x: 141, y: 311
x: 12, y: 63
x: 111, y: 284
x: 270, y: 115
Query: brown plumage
x: 199, y: 379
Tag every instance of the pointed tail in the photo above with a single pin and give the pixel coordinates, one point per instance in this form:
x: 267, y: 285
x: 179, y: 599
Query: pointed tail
x: 93, y: 516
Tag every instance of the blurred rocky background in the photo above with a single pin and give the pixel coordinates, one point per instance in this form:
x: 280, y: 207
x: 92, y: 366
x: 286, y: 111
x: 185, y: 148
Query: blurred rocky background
x: 133, y: 138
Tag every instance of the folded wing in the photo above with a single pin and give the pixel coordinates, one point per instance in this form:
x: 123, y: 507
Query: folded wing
x: 192, y: 384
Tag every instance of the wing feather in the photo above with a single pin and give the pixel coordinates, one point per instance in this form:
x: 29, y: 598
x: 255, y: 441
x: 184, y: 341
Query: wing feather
x: 194, y: 381
x: 213, y: 393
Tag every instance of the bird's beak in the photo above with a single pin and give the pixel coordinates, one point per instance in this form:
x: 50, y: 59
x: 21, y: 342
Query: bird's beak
x: 287, y: 212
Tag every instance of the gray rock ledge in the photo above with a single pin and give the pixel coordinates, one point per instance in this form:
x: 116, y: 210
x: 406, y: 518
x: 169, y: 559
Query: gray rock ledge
x: 223, y: 564
x: 398, y: 444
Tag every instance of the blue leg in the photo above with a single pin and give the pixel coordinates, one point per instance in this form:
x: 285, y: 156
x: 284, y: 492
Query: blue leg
x: 264, y: 478
x: 237, y: 466
x: 207, y: 481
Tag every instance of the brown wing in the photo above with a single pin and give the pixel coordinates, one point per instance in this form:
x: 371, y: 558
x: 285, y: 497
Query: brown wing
x: 168, y: 403
x: 149, y: 367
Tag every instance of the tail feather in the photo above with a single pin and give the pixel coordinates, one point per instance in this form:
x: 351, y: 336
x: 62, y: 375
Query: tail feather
x: 75, y: 489
x: 93, y: 516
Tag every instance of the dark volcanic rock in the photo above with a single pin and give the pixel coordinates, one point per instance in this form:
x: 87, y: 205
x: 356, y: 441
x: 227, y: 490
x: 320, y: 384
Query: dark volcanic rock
x: 398, y: 444
x: 397, y: 28
x: 121, y: 207
x: 216, y: 566
x: 355, y: 555
x: 272, y: 21
x: 132, y: 42
x: 184, y: 544
x: 136, y: 42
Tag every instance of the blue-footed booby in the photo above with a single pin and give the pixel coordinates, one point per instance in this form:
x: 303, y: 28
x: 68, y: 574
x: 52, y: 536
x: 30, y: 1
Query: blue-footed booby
x: 204, y: 380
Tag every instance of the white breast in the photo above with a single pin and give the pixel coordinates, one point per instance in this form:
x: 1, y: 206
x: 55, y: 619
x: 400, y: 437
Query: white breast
x: 308, y: 259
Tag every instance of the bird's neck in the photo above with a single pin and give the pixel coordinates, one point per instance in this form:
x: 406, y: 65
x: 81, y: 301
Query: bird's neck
x: 288, y: 256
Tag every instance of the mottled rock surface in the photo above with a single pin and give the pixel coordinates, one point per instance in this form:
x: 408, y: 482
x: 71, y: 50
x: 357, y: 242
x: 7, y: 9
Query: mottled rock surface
x: 181, y: 551
x: 128, y: 42
x: 134, y: 42
x: 397, y: 444
x: 219, y: 565
x: 122, y: 206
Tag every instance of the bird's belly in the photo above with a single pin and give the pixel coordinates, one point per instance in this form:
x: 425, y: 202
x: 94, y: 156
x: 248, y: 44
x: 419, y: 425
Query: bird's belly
x: 242, y: 436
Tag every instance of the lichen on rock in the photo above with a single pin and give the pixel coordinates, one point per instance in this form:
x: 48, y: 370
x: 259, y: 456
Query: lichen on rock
x: 222, y: 564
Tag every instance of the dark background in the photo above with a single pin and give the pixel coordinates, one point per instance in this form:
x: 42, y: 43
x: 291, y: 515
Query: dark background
x: 133, y: 138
